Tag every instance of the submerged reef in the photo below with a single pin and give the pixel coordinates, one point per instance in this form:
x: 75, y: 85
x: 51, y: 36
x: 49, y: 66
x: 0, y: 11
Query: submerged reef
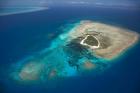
x: 88, y: 46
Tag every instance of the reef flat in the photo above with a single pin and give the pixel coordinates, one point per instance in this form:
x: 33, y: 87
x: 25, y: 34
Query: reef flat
x: 109, y: 41
x: 88, y: 46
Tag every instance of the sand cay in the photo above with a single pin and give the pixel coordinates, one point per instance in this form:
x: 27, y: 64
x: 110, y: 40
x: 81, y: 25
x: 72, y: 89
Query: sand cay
x: 112, y: 40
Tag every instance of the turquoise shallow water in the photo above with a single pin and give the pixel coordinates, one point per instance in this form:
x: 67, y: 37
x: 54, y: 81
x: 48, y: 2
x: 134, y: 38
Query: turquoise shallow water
x: 61, y: 59
x: 28, y: 34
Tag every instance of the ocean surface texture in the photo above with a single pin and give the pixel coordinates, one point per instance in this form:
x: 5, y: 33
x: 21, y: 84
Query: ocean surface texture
x: 28, y: 36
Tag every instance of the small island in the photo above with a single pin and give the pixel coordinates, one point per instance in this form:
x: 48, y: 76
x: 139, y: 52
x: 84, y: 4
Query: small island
x: 106, y: 41
x: 90, y: 41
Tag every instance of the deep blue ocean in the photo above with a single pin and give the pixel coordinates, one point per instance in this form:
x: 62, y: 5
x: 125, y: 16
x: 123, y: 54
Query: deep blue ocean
x: 22, y: 35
